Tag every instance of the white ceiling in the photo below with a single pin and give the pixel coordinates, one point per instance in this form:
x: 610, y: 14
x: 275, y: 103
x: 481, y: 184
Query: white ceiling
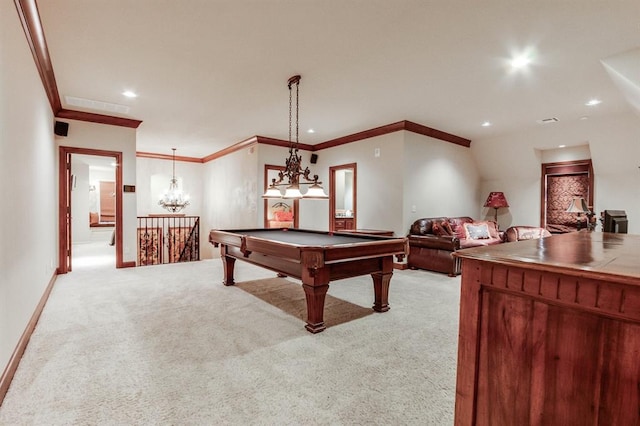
x: 210, y: 73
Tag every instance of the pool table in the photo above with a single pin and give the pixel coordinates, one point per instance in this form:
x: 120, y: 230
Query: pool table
x: 314, y: 257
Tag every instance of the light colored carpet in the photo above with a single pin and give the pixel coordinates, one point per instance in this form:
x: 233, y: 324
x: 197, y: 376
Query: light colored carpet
x: 169, y: 344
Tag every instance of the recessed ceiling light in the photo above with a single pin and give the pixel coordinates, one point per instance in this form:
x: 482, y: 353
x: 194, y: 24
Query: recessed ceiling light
x: 561, y: 146
x: 520, y: 61
x: 311, y: 131
x: 584, y: 117
x: 129, y: 94
x: 486, y: 124
x: 593, y: 102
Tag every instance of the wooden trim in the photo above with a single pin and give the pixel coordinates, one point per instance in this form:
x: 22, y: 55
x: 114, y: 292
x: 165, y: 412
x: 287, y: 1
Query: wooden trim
x: 98, y: 118
x: 394, y: 127
x: 63, y: 188
x: 436, y: 134
x: 230, y: 149
x: 63, y: 238
x: 30, y: 19
x: 378, y: 131
x: 14, y: 361
x: 140, y: 154
x: 250, y: 142
x: 366, y: 134
x: 127, y: 265
x: 285, y: 144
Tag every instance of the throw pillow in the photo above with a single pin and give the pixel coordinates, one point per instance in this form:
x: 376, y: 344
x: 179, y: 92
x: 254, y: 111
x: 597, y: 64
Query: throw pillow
x: 283, y: 216
x: 493, y: 228
x: 438, y: 230
x: 475, y: 231
x: 447, y: 227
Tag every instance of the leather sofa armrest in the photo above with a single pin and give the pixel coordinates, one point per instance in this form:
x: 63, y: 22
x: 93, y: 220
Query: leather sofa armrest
x: 435, y: 242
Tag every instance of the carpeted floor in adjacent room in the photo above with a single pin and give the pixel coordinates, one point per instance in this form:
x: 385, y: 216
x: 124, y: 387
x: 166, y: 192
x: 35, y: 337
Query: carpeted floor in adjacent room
x: 170, y: 344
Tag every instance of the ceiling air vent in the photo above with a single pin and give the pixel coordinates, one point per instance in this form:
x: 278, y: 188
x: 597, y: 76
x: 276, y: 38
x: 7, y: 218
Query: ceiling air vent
x: 96, y: 105
x: 548, y: 120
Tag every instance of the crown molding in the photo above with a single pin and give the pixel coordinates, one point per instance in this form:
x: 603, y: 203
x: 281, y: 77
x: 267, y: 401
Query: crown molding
x: 435, y: 133
x: 405, y: 125
x: 97, y: 118
x: 254, y: 140
x: 169, y: 157
x: 394, y: 127
x: 32, y: 26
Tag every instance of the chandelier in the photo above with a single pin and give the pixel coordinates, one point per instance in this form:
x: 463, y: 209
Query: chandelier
x: 173, y: 199
x: 293, y: 174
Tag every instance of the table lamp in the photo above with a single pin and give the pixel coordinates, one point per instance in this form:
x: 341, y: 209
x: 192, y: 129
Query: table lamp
x: 496, y: 200
x: 579, y: 205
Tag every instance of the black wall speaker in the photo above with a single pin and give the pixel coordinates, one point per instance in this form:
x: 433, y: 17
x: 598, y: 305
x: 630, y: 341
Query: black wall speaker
x: 61, y: 128
x: 314, y: 158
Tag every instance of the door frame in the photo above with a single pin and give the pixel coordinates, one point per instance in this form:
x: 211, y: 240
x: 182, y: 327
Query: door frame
x: 575, y: 167
x: 296, y: 215
x: 332, y: 193
x: 64, y: 204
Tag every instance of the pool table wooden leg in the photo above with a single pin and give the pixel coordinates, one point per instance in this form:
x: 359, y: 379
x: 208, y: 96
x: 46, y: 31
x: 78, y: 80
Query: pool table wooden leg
x: 381, y: 285
x: 228, y: 263
x: 315, y: 307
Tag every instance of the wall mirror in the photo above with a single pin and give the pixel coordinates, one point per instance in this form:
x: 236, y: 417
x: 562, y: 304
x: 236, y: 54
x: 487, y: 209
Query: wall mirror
x: 278, y: 213
x: 342, y: 197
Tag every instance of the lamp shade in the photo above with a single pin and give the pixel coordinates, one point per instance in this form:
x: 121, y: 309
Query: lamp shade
x: 292, y: 191
x: 272, y: 192
x: 578, y: 205
x: 496, y: 200
x: 315, y: 191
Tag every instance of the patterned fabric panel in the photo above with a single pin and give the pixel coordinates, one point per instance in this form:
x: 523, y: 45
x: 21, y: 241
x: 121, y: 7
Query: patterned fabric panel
x: 560, y: 191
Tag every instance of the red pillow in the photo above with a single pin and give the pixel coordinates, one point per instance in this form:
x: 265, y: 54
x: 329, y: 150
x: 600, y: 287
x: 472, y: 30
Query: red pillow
x: 283, y: 216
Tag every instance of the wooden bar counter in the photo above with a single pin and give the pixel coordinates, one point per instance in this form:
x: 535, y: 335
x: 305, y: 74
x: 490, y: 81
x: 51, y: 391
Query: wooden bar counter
x: 550, y: 332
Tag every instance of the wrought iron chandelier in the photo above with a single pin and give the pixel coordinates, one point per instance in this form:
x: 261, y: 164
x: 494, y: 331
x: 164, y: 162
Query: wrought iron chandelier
x: 174, y: 199
x: 294, y: 174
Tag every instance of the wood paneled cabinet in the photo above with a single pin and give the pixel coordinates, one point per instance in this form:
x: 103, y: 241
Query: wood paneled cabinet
x: 342, y: 224
x: 550, y: 332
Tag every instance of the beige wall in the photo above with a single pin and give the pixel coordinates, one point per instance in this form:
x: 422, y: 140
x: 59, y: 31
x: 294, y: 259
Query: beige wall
x: 28, y: 172
x: 230, y: 198
x: 441, y: 179
x: 189, y: 175
x: 112, y: 138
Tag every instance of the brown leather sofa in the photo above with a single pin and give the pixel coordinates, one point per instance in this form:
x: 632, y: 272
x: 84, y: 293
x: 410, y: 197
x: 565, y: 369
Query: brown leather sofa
x: 432, y: 241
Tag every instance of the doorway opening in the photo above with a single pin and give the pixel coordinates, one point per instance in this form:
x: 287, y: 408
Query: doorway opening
x: 343, y: 195
x: 561, y: 182
x: 93, y: 208
x: 90, y: 208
